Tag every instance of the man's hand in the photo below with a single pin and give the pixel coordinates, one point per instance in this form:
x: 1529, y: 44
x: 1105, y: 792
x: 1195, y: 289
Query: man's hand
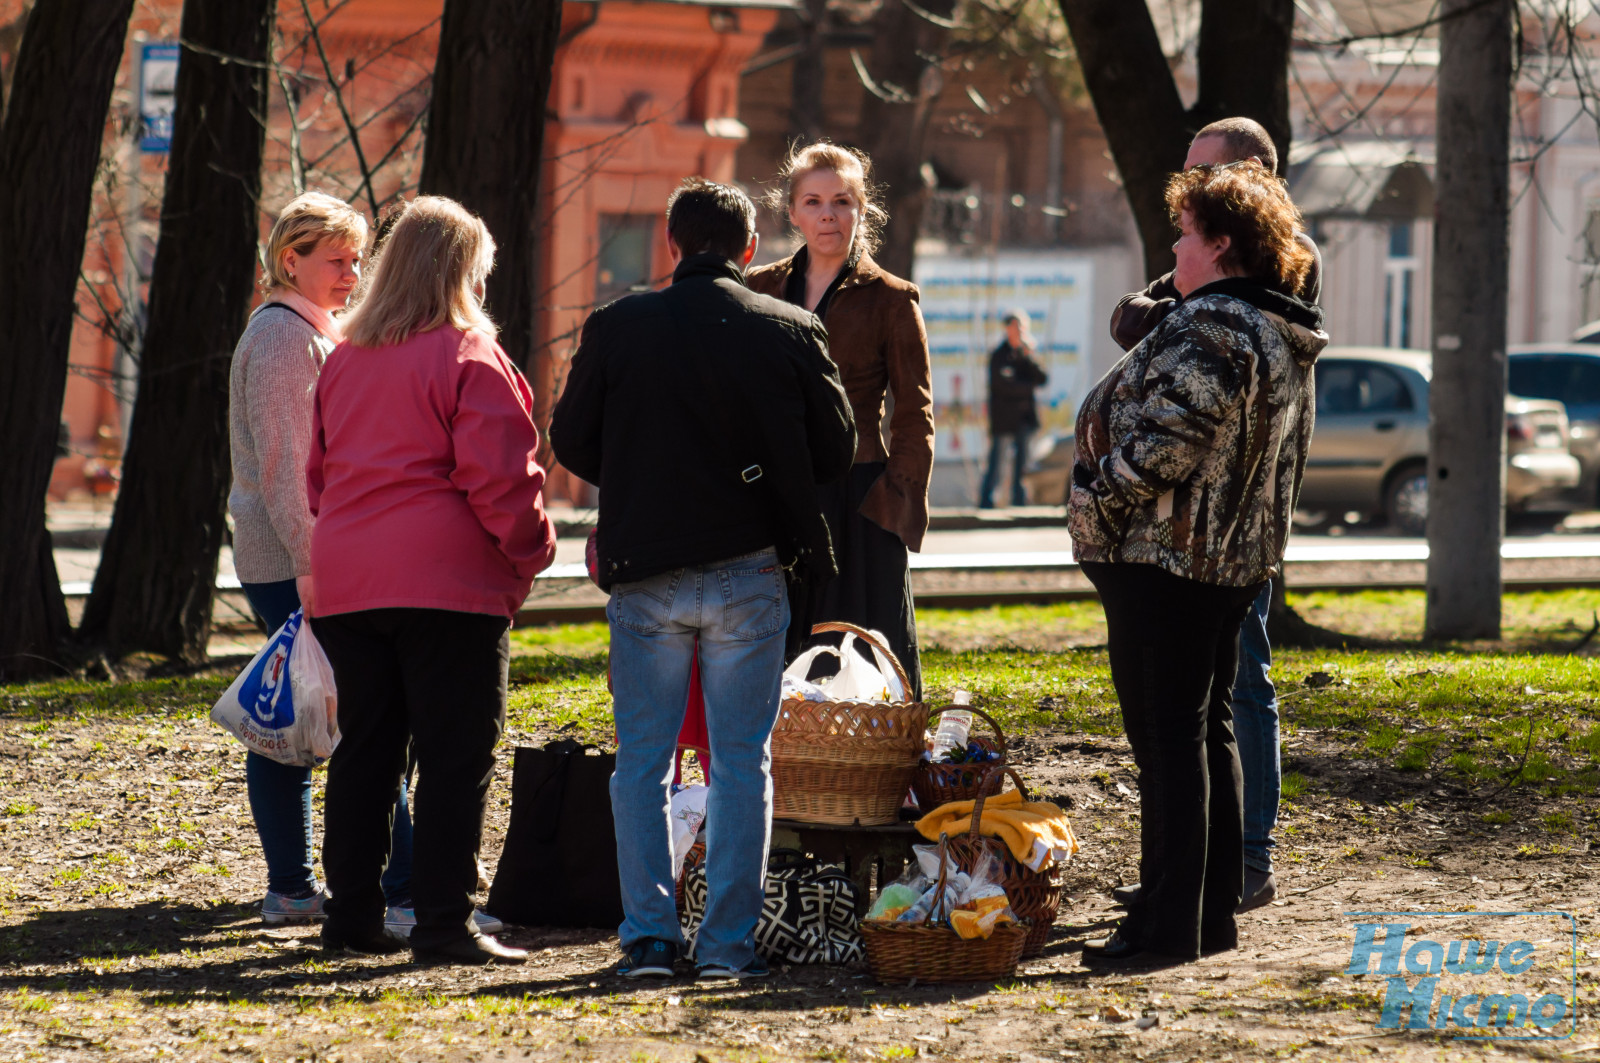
x: 308, y: 596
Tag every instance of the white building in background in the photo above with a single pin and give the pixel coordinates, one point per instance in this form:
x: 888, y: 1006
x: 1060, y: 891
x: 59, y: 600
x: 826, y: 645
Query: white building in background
x: 1361, y: 171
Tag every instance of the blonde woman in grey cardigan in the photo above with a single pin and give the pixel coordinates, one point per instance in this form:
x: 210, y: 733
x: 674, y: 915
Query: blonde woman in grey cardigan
x: 313, y: 264
x: 314, y: 258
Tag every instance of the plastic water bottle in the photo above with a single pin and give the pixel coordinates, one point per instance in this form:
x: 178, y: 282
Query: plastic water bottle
x: 953, y: 727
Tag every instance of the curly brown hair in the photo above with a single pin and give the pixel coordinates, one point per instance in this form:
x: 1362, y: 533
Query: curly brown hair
x: 851, y: 164
x: 1251, y: 207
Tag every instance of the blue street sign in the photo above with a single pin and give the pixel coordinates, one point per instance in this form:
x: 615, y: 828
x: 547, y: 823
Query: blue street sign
x: 158, y: 95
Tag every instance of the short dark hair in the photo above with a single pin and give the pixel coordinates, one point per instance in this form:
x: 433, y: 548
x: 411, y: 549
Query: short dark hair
x: 1244, y: 137
x: 704, y: 217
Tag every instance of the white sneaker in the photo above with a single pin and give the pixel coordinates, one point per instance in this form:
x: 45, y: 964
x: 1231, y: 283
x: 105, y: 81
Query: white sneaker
x: 277, y: 909
x: 398, y: 922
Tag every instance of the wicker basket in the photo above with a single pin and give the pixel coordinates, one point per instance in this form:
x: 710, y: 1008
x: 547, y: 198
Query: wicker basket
x: 901, y: 952
x: 1035, y: 896
x: 844, y: 763
x: 939, y: 784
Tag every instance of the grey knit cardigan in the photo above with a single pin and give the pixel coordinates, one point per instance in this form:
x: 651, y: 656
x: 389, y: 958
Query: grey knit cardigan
x: 270, y: 390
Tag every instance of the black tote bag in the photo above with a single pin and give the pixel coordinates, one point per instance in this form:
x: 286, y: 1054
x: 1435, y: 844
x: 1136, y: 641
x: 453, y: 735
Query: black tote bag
x: 559, y: 864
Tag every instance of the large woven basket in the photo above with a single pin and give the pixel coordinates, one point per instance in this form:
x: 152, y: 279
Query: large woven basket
x: 1035, y: 896
x: 900, y: 952
x: 939, y: 784
x: 843, y: 762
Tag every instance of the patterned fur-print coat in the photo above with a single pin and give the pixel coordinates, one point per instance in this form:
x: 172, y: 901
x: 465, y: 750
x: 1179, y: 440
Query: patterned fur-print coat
x: 1191, y: 449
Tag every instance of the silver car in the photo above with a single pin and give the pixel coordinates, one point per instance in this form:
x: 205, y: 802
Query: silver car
x: 1369, y: 453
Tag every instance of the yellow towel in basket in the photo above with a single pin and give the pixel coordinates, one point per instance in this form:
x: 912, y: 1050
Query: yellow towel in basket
x: 1036, y: 832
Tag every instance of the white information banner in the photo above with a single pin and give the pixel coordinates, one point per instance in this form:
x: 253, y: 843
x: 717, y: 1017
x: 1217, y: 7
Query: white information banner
x: 963, y: 301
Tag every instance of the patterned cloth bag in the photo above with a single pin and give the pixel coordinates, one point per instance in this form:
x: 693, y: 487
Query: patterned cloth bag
x: 808, y: 915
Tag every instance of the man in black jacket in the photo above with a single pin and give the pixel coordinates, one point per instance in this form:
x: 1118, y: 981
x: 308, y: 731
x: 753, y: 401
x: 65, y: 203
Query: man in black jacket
x: 707, y: 415
x: 1013, y: 415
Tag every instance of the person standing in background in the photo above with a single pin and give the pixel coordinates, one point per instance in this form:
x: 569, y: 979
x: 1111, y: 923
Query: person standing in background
x: 1013, y: 415
x: 1228, y: 142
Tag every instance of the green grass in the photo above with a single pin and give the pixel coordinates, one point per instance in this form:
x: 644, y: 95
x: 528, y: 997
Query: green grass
x: 1517, y: 712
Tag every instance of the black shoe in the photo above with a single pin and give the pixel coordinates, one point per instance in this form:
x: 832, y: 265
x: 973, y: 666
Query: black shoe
x: 649, y: 958
x: 374, y: 942
x: 1115, y: 947
x: 1260, y: 890
x: 1127, y: 896
x: 474, y: 951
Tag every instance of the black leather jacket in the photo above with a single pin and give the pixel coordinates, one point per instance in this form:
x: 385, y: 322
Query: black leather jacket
x: 637, y: 419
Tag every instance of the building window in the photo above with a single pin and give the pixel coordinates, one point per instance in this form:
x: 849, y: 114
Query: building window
x: 624, y: 259
x: 1399, y: 285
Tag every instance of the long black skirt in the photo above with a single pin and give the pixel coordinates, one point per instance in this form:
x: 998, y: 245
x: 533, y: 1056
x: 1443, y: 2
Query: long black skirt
x: 873, y: 588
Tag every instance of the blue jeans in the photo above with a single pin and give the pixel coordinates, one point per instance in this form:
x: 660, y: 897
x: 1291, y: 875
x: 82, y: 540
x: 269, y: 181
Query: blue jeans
x: 739, y: 611
x: 1255, y: 724
x: 1019, y: 463
x: 280, y: 794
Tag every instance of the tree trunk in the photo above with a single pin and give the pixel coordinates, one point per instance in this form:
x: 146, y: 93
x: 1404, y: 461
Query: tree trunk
x: 806, y: 110
x: 158, y: 569
x: 491, y: 85
x: 1137, y: 101
x: 1258, y: 86
x: 894, y: 132
x: 1471, y: 252
x: 1139, y: 109
x: 49, y: 150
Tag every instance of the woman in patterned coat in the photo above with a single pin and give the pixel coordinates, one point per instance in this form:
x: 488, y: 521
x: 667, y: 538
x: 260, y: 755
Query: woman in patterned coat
x: 1190, y: 453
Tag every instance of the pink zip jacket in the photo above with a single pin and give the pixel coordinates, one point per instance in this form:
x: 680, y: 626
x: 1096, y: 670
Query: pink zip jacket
x: 423, y: 479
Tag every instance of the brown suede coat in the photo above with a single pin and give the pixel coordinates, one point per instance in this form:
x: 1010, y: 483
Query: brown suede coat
x: 877, y: 339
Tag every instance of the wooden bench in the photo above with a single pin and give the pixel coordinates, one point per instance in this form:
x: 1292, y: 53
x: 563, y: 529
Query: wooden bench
x: 859, y: 850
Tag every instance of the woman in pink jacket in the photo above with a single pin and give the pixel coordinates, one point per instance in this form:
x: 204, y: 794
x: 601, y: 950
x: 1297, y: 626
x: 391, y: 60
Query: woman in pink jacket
x: 429, y: 532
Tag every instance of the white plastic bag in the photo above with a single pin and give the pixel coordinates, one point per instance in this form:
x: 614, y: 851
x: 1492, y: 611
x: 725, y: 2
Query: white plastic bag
x: 688, y: 814
x: 858, y: 680
x: 284, y: 704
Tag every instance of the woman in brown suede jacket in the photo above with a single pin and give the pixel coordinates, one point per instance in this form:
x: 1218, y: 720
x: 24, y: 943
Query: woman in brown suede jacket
x: 876, y: 337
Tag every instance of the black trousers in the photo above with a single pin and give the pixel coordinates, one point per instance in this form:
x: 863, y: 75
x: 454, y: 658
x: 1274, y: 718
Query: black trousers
x: 1174, y: 648
x: 431, y: 677
x: 873, y: 588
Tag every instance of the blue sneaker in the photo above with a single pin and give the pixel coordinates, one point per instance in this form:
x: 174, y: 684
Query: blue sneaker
x: 277, y: 908
x: 721, y: 972
x: 649, y: 958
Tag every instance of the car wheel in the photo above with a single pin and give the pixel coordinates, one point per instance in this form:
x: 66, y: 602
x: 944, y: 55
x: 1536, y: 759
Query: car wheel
x: 1407, y: 501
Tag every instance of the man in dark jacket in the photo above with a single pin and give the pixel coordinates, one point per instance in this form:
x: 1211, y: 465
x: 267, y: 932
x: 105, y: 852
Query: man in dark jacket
x: 707, y: 414
x: 1013, y: 417
x: 1255, y: 699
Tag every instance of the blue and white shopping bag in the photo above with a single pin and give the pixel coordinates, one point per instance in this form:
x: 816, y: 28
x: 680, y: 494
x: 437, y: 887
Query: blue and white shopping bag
x: 284, y: 705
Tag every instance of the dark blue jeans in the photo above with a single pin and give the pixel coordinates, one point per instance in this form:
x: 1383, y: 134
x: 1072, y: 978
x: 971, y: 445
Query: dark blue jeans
x: 1255, y: 725
x: 1018, y: 441
x: 280, y: 794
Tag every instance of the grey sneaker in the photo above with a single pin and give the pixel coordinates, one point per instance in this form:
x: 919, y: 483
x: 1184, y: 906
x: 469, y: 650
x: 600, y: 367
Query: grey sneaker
x: 399, y: 922
x: 277, y: 909
x: 1260, y: 889
x: 721, y: 972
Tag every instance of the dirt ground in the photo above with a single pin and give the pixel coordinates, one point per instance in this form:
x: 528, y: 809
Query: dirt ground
x: 129, y: 875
